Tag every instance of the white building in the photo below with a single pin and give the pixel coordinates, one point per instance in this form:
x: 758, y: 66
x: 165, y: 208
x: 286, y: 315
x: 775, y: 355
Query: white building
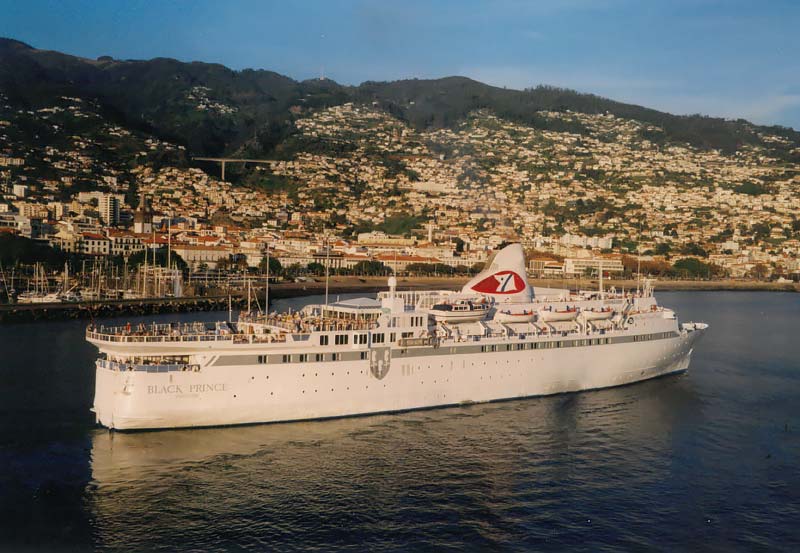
x: 577, y: 266
x: 109, y: 205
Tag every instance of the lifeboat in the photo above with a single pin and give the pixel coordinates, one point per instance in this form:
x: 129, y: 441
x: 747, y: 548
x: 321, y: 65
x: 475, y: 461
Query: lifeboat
x: 551, y: 315
x: 509, y: 315
x: 461, y: 311
x: 600, y: 314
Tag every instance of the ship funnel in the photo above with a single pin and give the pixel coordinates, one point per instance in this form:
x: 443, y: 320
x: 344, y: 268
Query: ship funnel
x: 505, y: 279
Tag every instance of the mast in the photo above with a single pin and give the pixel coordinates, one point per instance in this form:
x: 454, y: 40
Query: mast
x: 602, y: 296
x: 248, y: 293
x: 327, y: 267
x: 169, y: 243
x: 266, y: 289
x: 638, y: 270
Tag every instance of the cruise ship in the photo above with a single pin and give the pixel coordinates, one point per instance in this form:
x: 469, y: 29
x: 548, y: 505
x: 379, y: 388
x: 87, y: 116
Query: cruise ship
x: 497, y: 338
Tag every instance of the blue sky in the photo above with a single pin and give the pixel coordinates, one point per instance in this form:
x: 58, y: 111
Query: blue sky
x: 724, y: 58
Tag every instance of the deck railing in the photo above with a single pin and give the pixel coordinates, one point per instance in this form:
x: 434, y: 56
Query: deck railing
x: 151, y: 368
x: 157, y: 333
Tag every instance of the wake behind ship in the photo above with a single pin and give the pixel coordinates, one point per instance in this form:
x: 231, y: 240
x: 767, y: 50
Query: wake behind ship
x: 498, y: 338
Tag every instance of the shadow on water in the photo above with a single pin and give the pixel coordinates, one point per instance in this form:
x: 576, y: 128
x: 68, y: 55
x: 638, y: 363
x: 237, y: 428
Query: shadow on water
x: 702, y: 461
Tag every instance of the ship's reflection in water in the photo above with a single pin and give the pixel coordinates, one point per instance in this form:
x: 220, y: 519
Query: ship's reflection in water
x: 521, y: 474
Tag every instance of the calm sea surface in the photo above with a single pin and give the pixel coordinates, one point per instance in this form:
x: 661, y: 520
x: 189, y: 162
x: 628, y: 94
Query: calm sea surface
x: 705, y: 461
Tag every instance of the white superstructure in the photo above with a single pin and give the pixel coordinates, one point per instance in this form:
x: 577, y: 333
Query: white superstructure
x: 391, y: 354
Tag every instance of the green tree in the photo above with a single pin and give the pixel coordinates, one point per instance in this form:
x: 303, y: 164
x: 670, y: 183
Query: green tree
x: 692, y: 267
x: 17, y: 249
x: 370, y: 268
x: 694, y: 249
x: 315, y: 268
x: 274, y: 266
x: 663, y: 248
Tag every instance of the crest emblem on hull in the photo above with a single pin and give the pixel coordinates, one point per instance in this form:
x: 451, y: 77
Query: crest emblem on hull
x: 502, y: 282
x: 379, y: 362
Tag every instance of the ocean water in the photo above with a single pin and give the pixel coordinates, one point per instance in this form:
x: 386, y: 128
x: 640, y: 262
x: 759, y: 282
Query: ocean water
x: 705, y: 461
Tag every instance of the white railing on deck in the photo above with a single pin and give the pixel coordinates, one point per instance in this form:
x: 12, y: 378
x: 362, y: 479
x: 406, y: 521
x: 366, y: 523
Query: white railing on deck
x: 157, y: 333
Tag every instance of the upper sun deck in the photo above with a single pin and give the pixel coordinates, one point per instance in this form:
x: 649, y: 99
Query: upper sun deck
x: 350, y: 315
x: 174, y: 332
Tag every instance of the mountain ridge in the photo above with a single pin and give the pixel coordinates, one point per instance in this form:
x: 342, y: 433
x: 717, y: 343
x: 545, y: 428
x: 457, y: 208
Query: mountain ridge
x: 254, y: 109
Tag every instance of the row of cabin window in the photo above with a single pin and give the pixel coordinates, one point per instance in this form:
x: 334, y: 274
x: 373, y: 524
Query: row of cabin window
x: 344, y: 339
x: 545, y: 345
x: 414, y: 321
x: 304, y: 357
x: 655, y: 336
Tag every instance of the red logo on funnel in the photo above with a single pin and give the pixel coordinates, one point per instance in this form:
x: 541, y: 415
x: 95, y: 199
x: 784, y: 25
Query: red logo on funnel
x: 504, y: 282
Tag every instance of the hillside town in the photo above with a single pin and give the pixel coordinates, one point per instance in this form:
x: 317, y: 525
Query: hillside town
x: 579, y: 191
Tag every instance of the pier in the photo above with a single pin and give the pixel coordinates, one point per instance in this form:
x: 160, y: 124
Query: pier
x: 21, y: 313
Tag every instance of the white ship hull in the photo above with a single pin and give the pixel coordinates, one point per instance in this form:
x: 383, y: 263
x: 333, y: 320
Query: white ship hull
x: 363, y: 356
x: 244, y: 394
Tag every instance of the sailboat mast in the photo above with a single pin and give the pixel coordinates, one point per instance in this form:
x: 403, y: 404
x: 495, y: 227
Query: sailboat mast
x: 327, y: 267
x: 266, y: 290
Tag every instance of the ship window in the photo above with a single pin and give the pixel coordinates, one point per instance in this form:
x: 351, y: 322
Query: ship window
x: 340, y: 339
x: 377, y: 338
x: 319, y: 357
x: 323, y: 340
x: 303, y: 357
x: 286, y: 358
x: 363, y: 355
x: 407, y: 334
x: 336, y: 356
x: 262, y: 359
x: 392, y: 337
